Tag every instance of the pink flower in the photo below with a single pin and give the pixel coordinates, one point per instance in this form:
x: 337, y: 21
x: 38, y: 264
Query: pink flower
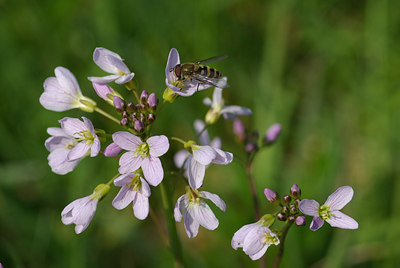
x: 329, y: 211
x: 141, y: 154
x: 62, y: 93
x: 194, y: 211
x: 135, y: 190
x: 112, y: 63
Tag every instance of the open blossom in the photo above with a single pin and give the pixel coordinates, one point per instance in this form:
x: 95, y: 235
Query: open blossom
x: 141, y: 154
x: 135, y: 190
x: 59, y: 145
x: 183, y: 88
x: 195, y: 211
x: 255, y: 239
x: 81, y: 211
x: 329, y: 211
x: 112, y: 63
x: 62, y: 93
x: 201, y: 157
x: 218, y: 108
x: 84, y: 134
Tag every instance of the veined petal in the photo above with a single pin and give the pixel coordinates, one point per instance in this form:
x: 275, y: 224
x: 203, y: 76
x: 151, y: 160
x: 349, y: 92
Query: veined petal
x: 180, y: 157
x: 204, y: 155
x: 106, y: 59
x: 217, y: 97
x: 196, y: 173
x: 207, y: 101
x: 123, y: 179
x: 67, y: 80
x: 141, y: 207
x: 316, y: 223
x: 341, y: 220
x: 125, y: 78
x: 72, y: 126
x: 124, y: 197
x: 118, y: 64
x: 253, y: 241
x: 58, y: 142
x: 126, y: 140
x: 222, y: 157
x: 260, y: 253
x: 59, y: 163
x: 145, y: 190
x: 191, y: 225
x: 152, y: 170
x: 215, y: 199
x: 309, y: 207
x: 236, y: 110
x: 79, y: 151
x: 216, y: 143
x: 95, y: 147
x: 173, y: 60
x: 340, y: 197
x: 58, y: 102
x: 240, y: 235
x: 129, y: 162
x: 56, y: 131
x: 177, y: 211
x: 159, y: 145
x: 203, y: 214
x: 103, y: 79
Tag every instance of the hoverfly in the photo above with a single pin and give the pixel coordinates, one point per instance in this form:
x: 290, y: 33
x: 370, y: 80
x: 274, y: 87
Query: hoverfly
x: 198, y: 71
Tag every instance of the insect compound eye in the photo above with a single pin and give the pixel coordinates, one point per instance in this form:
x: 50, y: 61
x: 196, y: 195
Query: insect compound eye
x: 177, y: 71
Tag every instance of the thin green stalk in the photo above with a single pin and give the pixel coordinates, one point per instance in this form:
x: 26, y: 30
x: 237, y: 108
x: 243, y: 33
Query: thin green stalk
x: 174, y: 242
x: 278, y: 256
x: 100, y: 111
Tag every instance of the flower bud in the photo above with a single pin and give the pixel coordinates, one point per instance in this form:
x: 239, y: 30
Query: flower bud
x: 287, y: 199
x: 272, y: 134
x: 124, y: 122
x: 144, y: 96
x: 142, y: 117
x: 152, y: 101
x: 272, y: 196
x: 292, y: 209
x: 295, y: 191
x: 292, y: 218
x: 251, y: 147
x: 151, y: 118
x: 125, y: 114
x: 119, y: 104
x: 300, y: 220
x: 281, y: 216
x: 105, y: 92
x: 138, y: 126
x: 297, y: 202
x: 131, y: 107
x: 239, y: 130
x: 112, y: 150
x: 285, y: 210
x: 140, y: 107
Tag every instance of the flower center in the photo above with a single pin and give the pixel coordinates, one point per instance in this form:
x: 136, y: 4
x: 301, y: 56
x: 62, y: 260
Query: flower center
x: 324, y: 212
x: 143, y: 150
x: 85, y: 136
x: 193, y: 196
x: 270, y: 239
x: 135, y: 184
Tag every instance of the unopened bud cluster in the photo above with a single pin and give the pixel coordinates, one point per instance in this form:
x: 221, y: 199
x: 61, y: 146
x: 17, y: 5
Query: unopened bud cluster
x: 137, y: 116
x: 289, y: 205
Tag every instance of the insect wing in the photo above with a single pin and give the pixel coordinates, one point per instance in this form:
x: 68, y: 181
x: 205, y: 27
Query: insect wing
x: 215, y: 82
x: 211, y: 60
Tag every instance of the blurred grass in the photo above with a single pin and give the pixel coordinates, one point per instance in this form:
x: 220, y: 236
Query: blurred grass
x: 326, y: 70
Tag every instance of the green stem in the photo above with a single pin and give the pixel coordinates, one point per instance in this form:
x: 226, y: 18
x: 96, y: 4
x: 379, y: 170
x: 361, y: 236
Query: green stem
x: 100, y: 111
x: 278, y: 257
x: 178, y: 140
x: 174, y: 242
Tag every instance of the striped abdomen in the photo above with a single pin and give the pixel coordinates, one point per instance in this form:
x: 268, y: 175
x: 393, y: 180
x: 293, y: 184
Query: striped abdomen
x: 208, y: 72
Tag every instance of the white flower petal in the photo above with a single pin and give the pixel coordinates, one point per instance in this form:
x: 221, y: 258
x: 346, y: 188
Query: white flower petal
x: 145, y: 190
x: 129, y: 162
x: 316, y: 223
x: 177, y: 211
x: 104, y: 79
x: 59, y: 163
x: 173, y: 60
x: 204, y: 155
x: 159, y: 145
x: 207, y: 101
x: 152, y: 170
x: 260, y: 253
x: 125, y: 78
x: 341, y: 220
x: 95, y: 147
x: 215, y: 199
x: 196, y: 173
x: 106, y: 59
x: 79, y: 151
x: 240, y: 235
x: 222, y: 157
x: 340, y: 197
x: 72, y: 126
x: 203, y: 214
x: 199, y: 127
x: 236, y: 110
x: 67, y: 80
x: 309, y: 207
x: 191, y: 225
x: 126, y: 140
x: 124, y: 197
x: 141, y: 207
x: 123, y: 179
x: 253, y: 242
x: 217, y: 97
x: 180, y: 157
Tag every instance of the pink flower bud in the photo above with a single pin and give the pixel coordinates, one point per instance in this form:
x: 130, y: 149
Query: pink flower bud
x: 272, y: 134
x: 300, y: 220
x: 239, y: 130
x: 112, y: 150
x: 119, y: 104
x: 271, y: 195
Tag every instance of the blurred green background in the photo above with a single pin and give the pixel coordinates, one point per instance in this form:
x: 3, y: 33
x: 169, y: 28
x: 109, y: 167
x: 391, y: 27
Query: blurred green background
x: 328, y: 71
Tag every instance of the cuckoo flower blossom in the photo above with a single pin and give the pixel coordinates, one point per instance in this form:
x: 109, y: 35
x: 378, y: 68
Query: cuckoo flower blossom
x: 254, y: 239
x: 218, y: 108
x: 106, y: 92
x: 62, y: 93
x: 194, y: 211
x: 135, y: 190
x: 59, y: 145
x: 329, y: 211
x: 112, y: 63
x: 201, y: 157
x: 141, y: 154
x: 181, y: 87
x: 81, y: 211
x: 84, y: 134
